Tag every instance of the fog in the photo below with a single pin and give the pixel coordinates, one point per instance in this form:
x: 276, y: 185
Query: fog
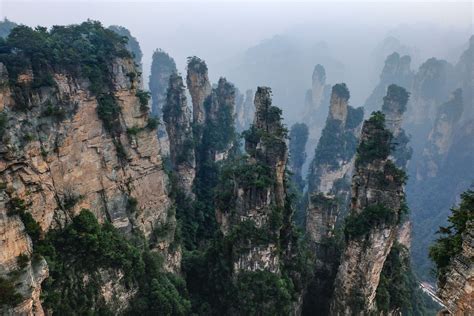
x: 274, y: 43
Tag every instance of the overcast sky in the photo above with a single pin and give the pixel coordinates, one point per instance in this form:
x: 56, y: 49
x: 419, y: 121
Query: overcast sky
x: 220, y: 31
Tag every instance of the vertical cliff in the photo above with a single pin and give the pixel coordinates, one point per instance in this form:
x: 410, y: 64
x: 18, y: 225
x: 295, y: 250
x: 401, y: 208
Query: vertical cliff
x: 255, y: 215
x: 244, y: 111
x: 316, y: 102
x: 298, y: 139
x: 177, y: 117
x: 162, y: 67
x: 372, y: 226
x: 132, y: 44
x: 329, y: 192
x: 216, y: 146
x: 453, y: 255
x: 77, y: 138
x: 395, y: 71
x: 199, y: 88
x: 330, y: 171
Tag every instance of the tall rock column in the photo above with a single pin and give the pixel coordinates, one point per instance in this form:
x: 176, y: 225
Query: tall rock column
x: 329, y: 192
x: 331, y: 168
x: 199, y: 87
x: 162, y: 67
x: 255, y: 216
x: 372, y: 226
x: 177, y: 117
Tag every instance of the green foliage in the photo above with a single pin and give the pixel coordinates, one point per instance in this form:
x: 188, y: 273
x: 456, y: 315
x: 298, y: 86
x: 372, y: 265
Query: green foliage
x: 54, y: 111
x: 22, y: 260
x: 8, y: 294
x: 109, y: 111
x: 153, y: 123
x: 396, y: 94
x: 144, y: 98
x: 450, y: 243
x: 132, y: 44
x: 197, y: 64
x: 341, y: 90
x: 398, y: 287
x: 84, y: 248
x: 377, y: 144
x: 358, y: 225
x: 17, y: 206
x: 3, y: 123
x: 162, y: 67
x: 86, y: 49
x: 263, y: 293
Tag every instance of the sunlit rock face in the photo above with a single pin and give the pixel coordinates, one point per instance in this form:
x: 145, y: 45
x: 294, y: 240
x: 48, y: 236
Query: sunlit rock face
x: 60, y: 151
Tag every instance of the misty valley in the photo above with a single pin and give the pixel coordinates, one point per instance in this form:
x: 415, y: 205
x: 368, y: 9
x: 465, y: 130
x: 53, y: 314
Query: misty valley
x: 137, y: 182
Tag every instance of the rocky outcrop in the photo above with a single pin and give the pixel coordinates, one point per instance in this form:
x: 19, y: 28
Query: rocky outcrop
x: 465, y: 75
x: 298, y: 139
x: 330, y: 171
x: 457, y: 289
x: 329, y: 191
x: 394, y: 106
x: 162, y: 67
x: 254, y: 211
x: 177, y: 117
x: 372, y: 226
x: 199, y: 88
x: 395, y: 71
x: 59, y: 156
x: 431, y: 85
x: 316, y: 102
x: 132, y: 44
x: 441, y: 136
x: 244, y: 111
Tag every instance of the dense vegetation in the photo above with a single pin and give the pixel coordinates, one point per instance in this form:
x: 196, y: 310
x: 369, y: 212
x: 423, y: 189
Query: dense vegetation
x: 449, y: 244
x: 79, y: 257
x: 378, y: 146
x: 398, y: 287
x: 132, y: 44
x: 298, y: 138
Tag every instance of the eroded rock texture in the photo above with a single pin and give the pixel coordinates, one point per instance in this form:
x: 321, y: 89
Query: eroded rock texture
x: 58, y: 157
x: 457, y: 289
x: 316, y: 102
x: 372, y: 226
x: 199, y: 88
x: 162, y: 67
x: 177, y: 117
x: 395, y: 71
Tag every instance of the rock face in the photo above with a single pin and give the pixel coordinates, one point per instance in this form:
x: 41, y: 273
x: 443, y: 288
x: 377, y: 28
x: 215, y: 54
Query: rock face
x: 244, y: 111
x: 199, y: 87
x: 316, y: 102
x: 432, y: 83
x: 372, y: 226
x: 132, y: 44
x: 441, y: 136
x: 162, y: 67
x: 395, y: 71
x: 177, y: 117
x: 298, y: 139
x: 393, y: 108
x: 329, y: 191
x: 457, y: 290
x: 59, y: 157
x: 331, y: 169
x: 254, y: 212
